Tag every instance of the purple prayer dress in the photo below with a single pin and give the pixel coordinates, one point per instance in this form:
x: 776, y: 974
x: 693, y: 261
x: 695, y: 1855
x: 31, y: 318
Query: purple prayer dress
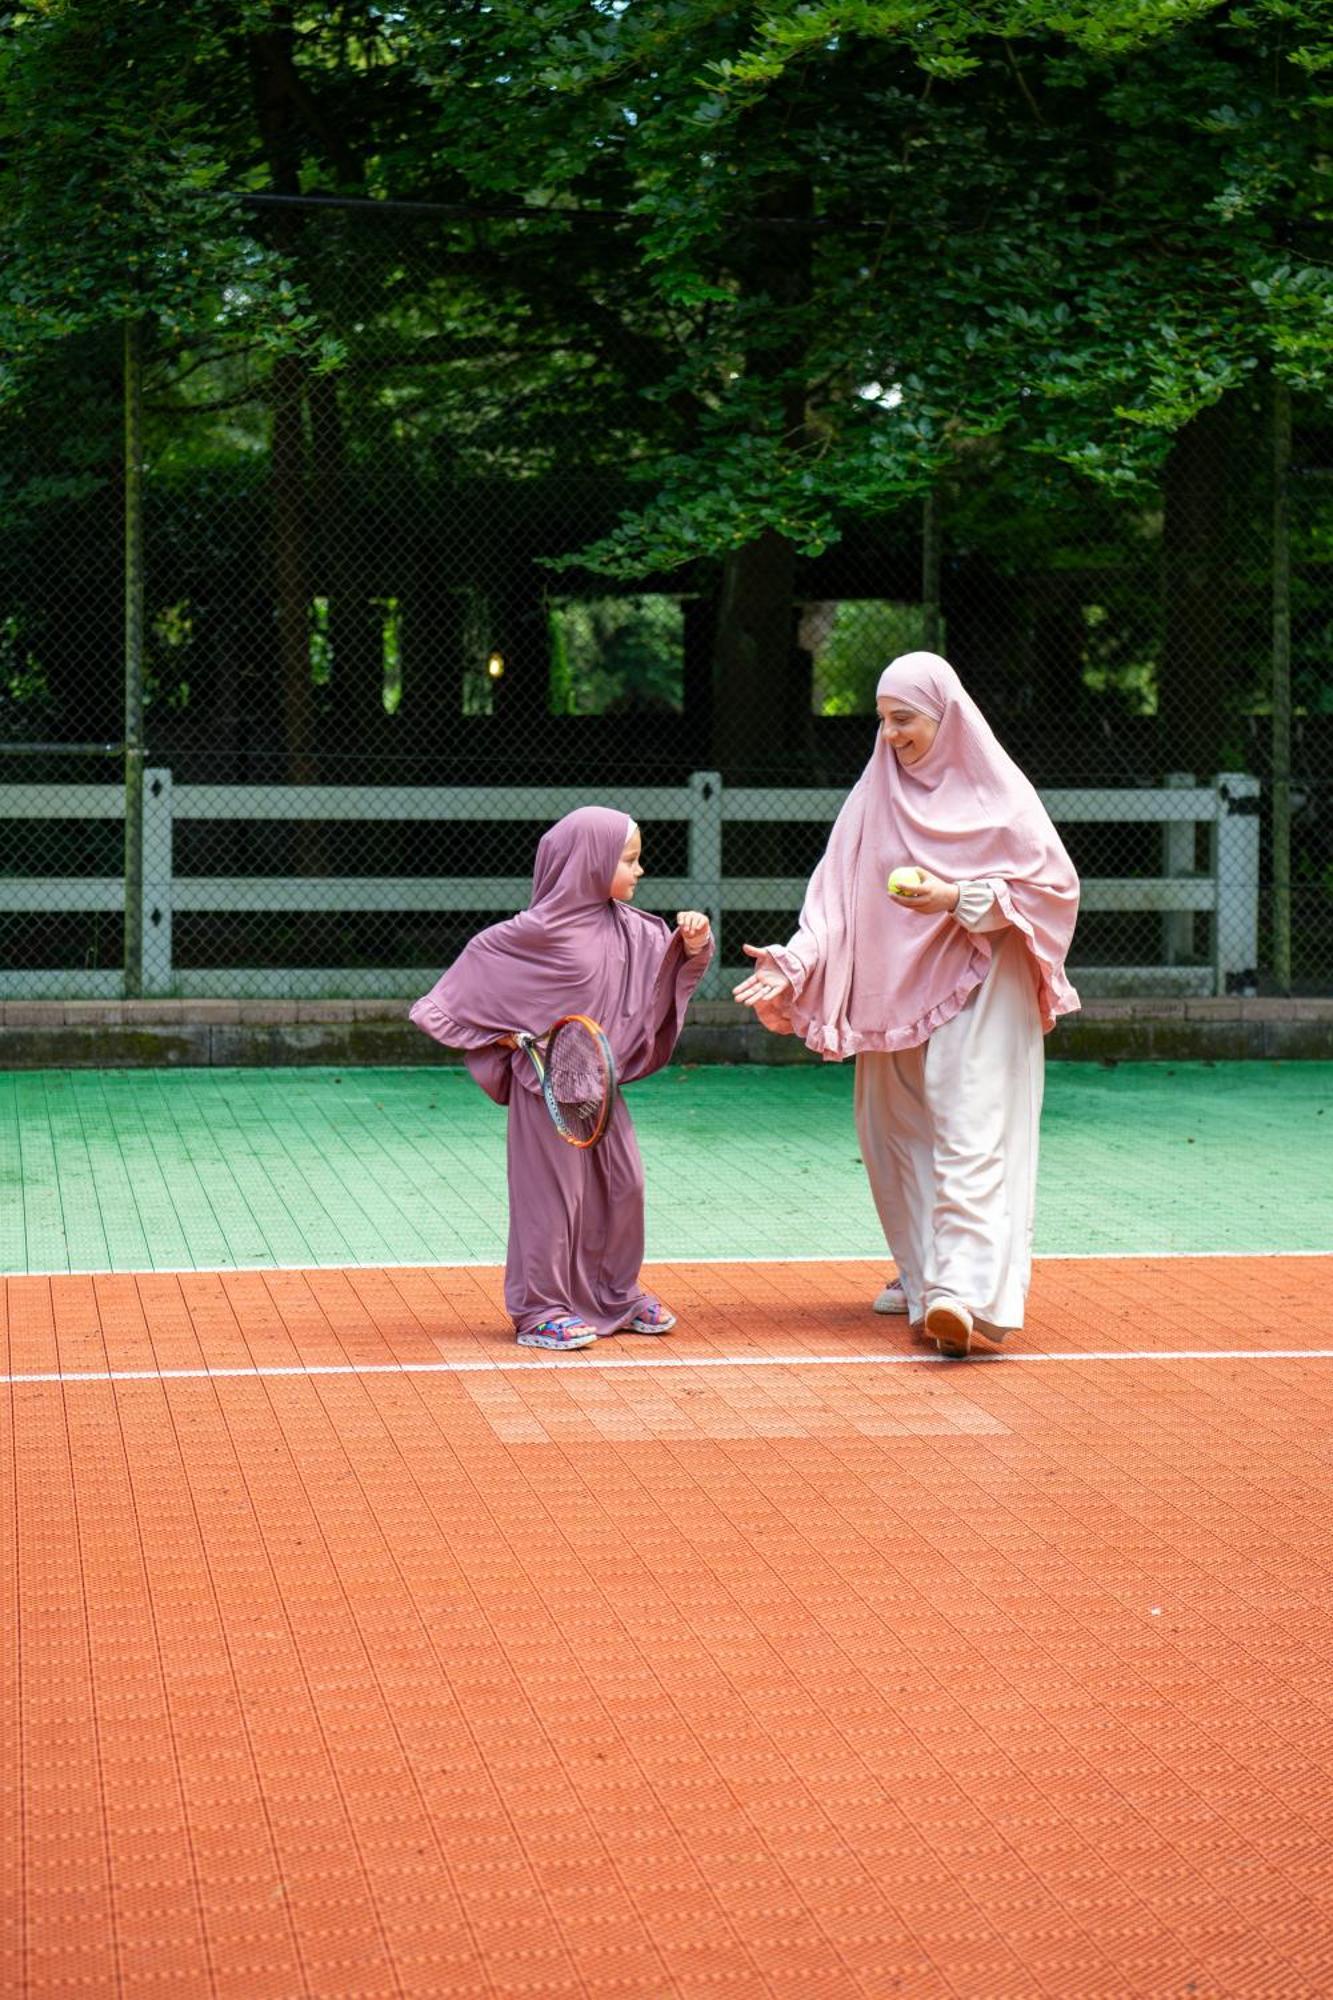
x: 575, y: 1217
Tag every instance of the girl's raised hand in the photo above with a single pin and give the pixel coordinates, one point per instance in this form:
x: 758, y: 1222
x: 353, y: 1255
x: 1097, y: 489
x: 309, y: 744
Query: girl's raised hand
x: 693, y: 928
x: 764, y: 983
x: 931, y: 898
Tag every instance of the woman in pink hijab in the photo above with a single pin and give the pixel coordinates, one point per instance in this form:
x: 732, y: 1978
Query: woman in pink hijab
x: 943, y: 996
x: 575, y: 1217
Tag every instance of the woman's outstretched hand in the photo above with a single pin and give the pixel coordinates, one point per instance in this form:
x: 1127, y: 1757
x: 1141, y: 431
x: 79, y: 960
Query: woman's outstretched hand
x: 764, y: 983
x: 931, y: 897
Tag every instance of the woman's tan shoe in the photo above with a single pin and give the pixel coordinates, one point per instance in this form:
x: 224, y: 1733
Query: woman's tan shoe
x: 949, y: 1325
x: 955, y: 1331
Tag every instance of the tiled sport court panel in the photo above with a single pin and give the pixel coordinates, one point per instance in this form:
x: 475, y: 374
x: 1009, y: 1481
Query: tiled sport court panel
x: 782, y: 1670
x: 196, y: 1169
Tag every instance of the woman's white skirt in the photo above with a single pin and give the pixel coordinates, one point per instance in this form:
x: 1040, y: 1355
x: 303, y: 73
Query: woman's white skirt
x: 948, y: 1134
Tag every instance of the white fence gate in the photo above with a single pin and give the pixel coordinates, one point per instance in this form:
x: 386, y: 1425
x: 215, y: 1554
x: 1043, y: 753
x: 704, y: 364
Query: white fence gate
x: 1228, y: 889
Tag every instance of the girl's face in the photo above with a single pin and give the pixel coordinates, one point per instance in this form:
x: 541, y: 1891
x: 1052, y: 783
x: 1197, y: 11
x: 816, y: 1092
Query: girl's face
x: 909, y: 733
x: 628, y: 871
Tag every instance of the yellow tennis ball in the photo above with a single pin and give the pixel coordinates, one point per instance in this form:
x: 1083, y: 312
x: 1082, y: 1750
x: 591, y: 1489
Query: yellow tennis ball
x: 903, y: 879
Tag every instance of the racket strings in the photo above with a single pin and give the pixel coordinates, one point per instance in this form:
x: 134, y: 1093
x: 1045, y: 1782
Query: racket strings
x: 578, y: 1078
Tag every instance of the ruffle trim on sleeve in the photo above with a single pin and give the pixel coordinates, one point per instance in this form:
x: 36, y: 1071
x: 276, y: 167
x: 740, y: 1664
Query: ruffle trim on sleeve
x: 836, y: 1044
x: 428, y: 1015
x: 1055, y: 994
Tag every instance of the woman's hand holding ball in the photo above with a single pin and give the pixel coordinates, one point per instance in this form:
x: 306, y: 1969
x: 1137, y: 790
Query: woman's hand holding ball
x: 922, y: 891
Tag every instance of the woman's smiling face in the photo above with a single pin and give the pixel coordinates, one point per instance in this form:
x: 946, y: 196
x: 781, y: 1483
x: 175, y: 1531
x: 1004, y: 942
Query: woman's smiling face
x: 906, y: 730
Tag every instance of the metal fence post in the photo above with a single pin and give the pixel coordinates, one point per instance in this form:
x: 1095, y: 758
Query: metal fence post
x: 133, y: 586
x: 157, y: 868
x: 1236, y: 874
x: 1281, y: 728
x: 705, y: 863
x: 1178, y: 859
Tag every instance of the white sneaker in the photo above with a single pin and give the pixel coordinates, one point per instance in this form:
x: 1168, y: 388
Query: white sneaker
x: 893, y: 1299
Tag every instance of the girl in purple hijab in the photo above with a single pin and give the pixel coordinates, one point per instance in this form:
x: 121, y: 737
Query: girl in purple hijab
x: 575, y: 1217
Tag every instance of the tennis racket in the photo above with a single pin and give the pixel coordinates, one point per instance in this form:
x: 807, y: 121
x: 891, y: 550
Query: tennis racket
x: 577, y: 1073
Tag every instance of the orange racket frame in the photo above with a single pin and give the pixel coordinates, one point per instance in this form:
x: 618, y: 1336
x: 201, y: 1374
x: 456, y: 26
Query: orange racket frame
x: 534, y: 1047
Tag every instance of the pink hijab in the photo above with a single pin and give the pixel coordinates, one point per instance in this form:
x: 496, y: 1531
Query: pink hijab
x: 572, y: 951
x: 871, y: 975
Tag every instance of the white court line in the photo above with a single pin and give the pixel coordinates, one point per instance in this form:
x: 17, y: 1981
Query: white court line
x: 585, y: 1362
x: 879, y: 1256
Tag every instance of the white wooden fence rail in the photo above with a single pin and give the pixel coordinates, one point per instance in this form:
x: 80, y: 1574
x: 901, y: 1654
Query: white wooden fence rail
x: 1228, y: 890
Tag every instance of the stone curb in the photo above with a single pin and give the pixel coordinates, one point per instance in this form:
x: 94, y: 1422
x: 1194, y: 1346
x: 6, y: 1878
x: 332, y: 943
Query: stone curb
x: 88, y: 1034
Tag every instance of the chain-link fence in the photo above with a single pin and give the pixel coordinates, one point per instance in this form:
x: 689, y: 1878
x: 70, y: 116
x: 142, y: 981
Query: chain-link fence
x: 371, y: 676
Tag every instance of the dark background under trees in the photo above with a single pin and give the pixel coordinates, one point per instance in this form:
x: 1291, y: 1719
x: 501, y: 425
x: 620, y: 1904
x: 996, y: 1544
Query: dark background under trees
x: 682, y: 362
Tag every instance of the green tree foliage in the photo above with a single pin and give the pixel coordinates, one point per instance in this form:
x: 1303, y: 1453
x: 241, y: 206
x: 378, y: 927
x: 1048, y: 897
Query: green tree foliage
x: 117, y: 187
x: 850, y: 641
x: 616, y: 656
x: 1069, y: 228
x: 846, y: 252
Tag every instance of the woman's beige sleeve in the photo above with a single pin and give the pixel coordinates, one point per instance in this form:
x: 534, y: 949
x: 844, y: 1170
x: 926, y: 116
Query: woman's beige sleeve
x: 978, y: 907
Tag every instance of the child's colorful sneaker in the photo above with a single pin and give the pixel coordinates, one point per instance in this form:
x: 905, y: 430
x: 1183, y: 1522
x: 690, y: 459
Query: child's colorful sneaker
x: 652, y: 1317
x: 565, y: 1333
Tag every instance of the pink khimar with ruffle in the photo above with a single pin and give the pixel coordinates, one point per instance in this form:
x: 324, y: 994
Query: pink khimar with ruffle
x: 870, y: 974
x: 572, y: 951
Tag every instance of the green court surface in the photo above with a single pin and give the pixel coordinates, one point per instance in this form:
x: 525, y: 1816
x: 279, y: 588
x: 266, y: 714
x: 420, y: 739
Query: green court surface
x: 159, y: 1170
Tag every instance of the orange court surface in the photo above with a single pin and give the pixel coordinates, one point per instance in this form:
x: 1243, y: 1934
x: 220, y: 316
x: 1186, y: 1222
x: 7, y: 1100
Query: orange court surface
x: 351, y: 1650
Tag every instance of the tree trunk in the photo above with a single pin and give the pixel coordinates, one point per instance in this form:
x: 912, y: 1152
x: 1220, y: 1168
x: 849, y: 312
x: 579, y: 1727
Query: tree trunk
x: 1198, y: 639
x: 520, y: 634
x: 701, y: 628
x: 753, y: 667
x: 271, y: 51
x: 348, y: 552
x: 442, y: 620
x: 762, y: 677
x: 290, y: 576
x: 981, y: 612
